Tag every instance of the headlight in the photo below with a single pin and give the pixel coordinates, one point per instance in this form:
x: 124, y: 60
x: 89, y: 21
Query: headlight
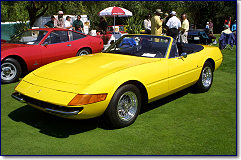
x: 82, y: 99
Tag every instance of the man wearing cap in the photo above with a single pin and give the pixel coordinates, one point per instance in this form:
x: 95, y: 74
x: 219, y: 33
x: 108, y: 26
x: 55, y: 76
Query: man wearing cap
x: 59, y: 22
x: 78, y: 23
x: 173, y: 24
x: 156, y: 23
x: 50, y: 24
x: 226, y: 29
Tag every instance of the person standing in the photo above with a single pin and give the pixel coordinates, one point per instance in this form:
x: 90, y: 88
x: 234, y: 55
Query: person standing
x: 59, y: 22
x: 207, y: 28
x: 78, y: 22
x: 184, y: 28
x: 228, y: 21
x: 211, y: 26
x: 234, y: 26
x: 67, y: 23
x: 173, y: 24
x: 156, y: 23
x: 103, y: 25
x: 147, y: 24
x: 50, y: 24
x: 164, y: 22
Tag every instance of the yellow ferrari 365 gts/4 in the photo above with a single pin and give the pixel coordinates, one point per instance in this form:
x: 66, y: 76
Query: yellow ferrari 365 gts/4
x: 133, y: 71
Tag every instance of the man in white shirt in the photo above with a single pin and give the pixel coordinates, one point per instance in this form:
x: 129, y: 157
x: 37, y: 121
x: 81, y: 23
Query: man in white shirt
x: 226, y: 29
x: 67, y: 23
x: 147, y: 24
x: 173, y: 24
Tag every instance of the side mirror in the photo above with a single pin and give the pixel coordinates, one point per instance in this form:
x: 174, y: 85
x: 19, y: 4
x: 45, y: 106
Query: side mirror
x: 45, y: 44
x: 184, y: 55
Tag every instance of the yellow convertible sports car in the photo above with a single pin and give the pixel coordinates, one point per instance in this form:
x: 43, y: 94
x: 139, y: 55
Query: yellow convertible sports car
x: 133, y: 71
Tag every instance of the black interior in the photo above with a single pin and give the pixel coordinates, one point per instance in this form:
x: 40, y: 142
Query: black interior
x: 188, y: 48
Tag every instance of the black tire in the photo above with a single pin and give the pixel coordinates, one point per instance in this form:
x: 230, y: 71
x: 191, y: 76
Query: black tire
x: 84, y: 51
x: 117, y: 119
x: 205, y: 80
x: 10, y: 70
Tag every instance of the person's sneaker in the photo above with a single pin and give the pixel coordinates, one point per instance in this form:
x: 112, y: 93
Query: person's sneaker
x: 215, y: 42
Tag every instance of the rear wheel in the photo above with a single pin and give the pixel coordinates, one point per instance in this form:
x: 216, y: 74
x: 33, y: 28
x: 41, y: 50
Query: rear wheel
x: 10, y: 70
x: 124, y: 107
x: 82, y: 52
x: 206, y: 78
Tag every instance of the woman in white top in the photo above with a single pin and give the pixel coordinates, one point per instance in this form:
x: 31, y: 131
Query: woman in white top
x: 67, y: 24
x: 147, y: 24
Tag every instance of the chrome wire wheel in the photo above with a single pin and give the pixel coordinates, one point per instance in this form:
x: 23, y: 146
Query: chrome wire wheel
x: 207, y: 76
x: 83, y: 52
x: 127, y: 106
x: 8, y: 71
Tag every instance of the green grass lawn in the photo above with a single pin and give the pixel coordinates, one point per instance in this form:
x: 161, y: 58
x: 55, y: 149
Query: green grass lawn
x: 181, y: 124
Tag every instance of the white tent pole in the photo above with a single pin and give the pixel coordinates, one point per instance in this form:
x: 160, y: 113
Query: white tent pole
x: 114, y: 25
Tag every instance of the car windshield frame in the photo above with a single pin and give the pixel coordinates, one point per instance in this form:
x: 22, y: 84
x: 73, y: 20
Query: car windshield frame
x: 29, y: 37
x: 154, y: 46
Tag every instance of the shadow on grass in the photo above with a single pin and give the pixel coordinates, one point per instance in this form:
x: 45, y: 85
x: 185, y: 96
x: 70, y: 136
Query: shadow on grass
x: 163, y: 101
x: 52, y: 125
x: 63, y: 128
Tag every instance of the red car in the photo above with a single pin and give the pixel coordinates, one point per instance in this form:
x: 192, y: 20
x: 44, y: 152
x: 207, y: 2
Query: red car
x: 36, y: 47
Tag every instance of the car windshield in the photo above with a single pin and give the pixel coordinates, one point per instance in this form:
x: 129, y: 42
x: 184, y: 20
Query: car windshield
x: 31, y: 37
x: 141, y: 46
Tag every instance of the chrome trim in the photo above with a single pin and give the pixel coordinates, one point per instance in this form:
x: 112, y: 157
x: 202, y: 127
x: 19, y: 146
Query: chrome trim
x: 62, y: 112
x: 18, y: 97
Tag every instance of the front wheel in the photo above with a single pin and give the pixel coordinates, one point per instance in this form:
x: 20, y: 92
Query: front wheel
x: 124, y: 106
x: 206, y: 78
x: 82, y: 52
x: 10, y: 70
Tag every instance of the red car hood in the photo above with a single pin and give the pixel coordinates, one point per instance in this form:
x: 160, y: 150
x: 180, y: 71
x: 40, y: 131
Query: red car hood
x: 7, y: 46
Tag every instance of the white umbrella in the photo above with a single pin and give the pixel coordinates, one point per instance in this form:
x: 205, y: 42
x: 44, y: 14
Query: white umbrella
x: 115, y: 11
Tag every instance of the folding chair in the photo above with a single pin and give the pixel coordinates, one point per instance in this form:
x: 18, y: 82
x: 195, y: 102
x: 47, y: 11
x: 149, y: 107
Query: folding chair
x: 226, y: 41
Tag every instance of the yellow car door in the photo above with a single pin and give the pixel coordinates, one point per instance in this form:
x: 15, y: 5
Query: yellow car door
x: 183, y: 70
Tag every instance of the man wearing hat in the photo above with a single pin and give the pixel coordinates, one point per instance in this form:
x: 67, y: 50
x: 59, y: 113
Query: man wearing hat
x: 59, y: 22
x: 226, y: 29
x: 173, y: 24
x: 156, y: 23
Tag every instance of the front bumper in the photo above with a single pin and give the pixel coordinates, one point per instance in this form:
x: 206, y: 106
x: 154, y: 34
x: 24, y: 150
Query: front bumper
x: 56, y: 101
x: 48, y: 107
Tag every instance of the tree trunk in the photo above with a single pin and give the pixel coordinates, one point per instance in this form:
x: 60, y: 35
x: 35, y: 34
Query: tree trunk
x: 32, y: 11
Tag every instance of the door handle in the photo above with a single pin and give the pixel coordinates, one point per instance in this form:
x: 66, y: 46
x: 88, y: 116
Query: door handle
x: 69, y: 45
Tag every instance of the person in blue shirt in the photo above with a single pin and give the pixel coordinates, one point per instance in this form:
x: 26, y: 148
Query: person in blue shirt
x: 78, y: 28
x: 233, y: 26
x: 233, y: 29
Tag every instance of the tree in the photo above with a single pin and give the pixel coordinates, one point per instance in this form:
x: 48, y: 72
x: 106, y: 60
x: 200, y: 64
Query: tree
x: 199, y: 12
x: 36, y: 9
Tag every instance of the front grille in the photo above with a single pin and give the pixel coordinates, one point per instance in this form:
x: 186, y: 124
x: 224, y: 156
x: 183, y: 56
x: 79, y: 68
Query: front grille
x: 44, y: 105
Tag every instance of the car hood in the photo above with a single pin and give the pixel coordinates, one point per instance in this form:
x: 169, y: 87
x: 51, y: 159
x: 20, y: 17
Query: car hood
x: 88, y: 69
x: 7, y: 46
